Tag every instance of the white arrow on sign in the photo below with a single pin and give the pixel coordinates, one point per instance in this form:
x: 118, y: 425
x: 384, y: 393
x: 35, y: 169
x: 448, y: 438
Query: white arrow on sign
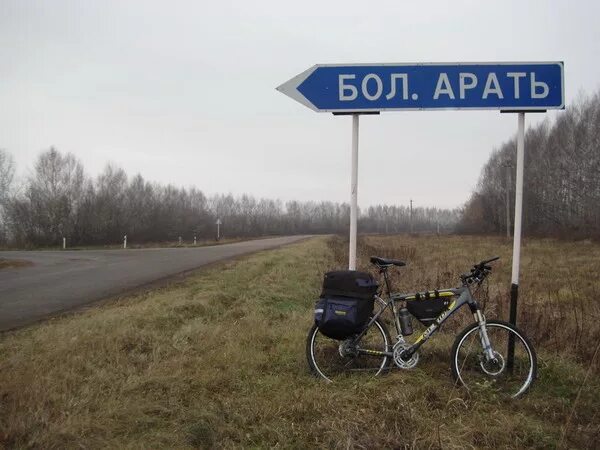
x: 290, y: 88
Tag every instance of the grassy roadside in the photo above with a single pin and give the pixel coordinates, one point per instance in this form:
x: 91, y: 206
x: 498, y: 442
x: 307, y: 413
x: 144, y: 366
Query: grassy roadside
x: 218, y: 361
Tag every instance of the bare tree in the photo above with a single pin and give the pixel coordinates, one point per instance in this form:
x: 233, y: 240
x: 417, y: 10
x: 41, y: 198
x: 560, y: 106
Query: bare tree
x: 59, y: 200
x: 48, y: 209
x: 7, y: 173
x: 561, y: 183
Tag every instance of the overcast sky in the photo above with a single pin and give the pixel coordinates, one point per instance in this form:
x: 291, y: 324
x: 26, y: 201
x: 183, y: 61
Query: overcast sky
x: 184, y: 92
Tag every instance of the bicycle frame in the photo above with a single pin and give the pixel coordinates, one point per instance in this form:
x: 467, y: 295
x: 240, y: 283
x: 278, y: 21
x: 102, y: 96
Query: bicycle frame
x: 464, y: 297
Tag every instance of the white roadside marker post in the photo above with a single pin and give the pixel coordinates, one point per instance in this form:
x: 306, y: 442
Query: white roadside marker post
x: 353, y: 195
x: 64, y: 243
x: 125, y: 241
x: 194, y: 239
x: 516, y: 258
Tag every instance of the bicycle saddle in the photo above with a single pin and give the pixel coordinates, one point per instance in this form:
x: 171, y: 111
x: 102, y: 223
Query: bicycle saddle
x: 382, y: 262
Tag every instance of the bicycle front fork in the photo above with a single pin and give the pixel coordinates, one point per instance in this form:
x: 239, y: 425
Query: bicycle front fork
x: 483, y: 336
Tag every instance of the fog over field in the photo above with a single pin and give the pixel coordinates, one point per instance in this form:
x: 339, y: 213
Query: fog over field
x: 184, y: 92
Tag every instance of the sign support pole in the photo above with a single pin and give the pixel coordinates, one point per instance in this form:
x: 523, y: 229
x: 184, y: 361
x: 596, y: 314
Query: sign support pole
x: 353, y: 195
x: 516, y: 259
x: 507, y: 199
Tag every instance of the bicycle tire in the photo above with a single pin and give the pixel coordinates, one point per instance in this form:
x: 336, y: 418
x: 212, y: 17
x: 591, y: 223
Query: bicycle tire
x: 458, y: 363
x: 318, y: 370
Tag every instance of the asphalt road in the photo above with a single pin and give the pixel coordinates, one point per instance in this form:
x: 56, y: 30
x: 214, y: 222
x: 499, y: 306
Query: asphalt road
x: 62, y: 280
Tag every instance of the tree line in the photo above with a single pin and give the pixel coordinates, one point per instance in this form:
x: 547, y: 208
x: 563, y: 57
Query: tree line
x: 561, y: 178
x: 60, y: 200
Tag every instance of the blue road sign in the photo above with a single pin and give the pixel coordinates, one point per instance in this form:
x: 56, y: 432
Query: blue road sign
x: 523, y: 86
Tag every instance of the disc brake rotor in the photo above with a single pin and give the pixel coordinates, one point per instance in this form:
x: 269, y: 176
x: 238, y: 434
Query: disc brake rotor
x: 495, y: 367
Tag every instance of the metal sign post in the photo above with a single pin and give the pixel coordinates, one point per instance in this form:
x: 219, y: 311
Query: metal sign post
x: 353, y: 195
x: 516, y: 259
x: 508, y: 166
x: 371, y: 88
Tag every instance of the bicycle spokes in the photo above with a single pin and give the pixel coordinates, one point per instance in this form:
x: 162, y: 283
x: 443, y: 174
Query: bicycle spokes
x: 330, y: 358
x: 480, y: 368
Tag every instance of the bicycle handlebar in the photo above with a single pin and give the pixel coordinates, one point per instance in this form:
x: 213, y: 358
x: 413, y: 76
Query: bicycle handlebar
x: 483, y: 263
x: 479, y: 271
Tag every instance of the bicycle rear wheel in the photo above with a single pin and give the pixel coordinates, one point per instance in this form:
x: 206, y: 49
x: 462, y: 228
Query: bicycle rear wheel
x: 329, y: 358
x: 471, y: 368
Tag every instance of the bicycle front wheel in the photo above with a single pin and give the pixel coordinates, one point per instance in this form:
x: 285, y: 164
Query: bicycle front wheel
x: 330, y: 358
x: 504, y: 375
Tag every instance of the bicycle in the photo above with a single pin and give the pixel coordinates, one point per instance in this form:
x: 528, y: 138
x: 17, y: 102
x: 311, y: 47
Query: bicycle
x: 488, y: 354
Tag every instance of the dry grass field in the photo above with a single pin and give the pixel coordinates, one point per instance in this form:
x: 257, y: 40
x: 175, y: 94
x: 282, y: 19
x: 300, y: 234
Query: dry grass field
x: 217, y: 361
x: 559, y: 301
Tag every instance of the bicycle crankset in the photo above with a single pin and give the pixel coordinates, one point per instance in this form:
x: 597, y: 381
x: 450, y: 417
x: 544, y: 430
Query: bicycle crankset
x: 410, y: 363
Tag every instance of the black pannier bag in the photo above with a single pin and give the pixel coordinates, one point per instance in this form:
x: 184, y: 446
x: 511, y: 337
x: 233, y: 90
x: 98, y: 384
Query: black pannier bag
x: 349, y: 283
x: 346, y: 303
x: 426, y: 310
